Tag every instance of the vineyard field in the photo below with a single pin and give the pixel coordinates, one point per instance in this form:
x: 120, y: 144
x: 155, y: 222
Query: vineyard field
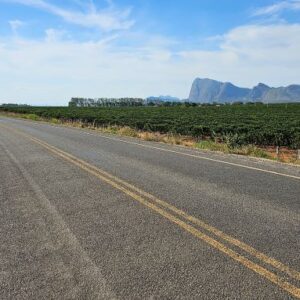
x: 263, y: 125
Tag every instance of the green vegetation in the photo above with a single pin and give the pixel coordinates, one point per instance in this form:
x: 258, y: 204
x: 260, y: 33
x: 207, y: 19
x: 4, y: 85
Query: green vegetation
x: 106, y: 102
x: 233, y: 125
x: 250, y: 150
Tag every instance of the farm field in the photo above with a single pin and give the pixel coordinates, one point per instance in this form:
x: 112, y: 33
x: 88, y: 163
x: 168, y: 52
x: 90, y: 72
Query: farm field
x: 237, y: 125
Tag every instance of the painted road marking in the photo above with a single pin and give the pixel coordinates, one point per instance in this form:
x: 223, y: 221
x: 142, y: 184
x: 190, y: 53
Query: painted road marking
x: 252, y: 251
x: 115, y: 182
x: 199, y: 157
x: 178, y: 152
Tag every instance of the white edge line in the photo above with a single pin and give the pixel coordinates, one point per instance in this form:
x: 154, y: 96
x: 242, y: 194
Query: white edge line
x: 181, y: 153
x: 197, y: 156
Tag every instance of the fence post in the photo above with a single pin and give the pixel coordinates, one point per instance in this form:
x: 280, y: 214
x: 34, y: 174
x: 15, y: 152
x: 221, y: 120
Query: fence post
x: 298, y: 154
x: 277, y: 152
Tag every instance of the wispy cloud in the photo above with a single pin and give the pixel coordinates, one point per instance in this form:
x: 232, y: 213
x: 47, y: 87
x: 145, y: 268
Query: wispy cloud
x: 58, y: 66
x: 54, y: 69
x: 108, y: 19
x: 278, y: 7
x: 15, y: 25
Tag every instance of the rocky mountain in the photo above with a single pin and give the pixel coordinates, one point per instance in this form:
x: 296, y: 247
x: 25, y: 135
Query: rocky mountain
x: 163, y: 99
x: 208, y: 91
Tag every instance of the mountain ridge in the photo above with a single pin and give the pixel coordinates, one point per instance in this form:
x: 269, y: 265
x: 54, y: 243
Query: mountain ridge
x: 209, y: 90
x: 162, y: 99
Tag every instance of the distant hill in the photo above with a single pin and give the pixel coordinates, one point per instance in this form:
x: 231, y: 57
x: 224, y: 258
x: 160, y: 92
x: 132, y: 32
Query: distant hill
x: 162, y: 99
x: 208, y: 91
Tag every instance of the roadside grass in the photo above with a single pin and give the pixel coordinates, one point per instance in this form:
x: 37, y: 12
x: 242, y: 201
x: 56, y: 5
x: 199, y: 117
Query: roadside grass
x: 31, y: 117
x: 249, y: 150
x: 126, y: 131
x: 55, y: 121
x: 213, y: 146
x: 173, y: 139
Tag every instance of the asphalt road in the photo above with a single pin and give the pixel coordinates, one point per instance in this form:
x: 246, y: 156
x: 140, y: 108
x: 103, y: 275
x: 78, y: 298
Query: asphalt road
x: 91, y: 216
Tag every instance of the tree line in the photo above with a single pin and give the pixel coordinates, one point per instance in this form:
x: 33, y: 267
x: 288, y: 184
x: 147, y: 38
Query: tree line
x: 106, y: 102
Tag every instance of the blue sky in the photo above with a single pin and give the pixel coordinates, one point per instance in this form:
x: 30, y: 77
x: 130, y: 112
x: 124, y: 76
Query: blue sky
x: 52, y: 50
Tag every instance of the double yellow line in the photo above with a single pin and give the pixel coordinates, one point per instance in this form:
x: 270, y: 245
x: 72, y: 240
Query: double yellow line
x: 186, y: 222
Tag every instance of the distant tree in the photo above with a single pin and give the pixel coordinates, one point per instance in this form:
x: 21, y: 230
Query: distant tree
x: 106, y: 102
x: 14, y: 105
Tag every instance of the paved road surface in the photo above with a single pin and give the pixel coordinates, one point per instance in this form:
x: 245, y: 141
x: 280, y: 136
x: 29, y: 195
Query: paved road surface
x: 91, y: 216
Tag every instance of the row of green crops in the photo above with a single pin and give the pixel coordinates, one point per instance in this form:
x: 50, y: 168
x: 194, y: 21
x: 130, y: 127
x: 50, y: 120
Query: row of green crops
x: 277, y: 124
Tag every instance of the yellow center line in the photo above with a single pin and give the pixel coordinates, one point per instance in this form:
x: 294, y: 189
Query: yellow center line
x: 252, y: 251
x: 293, y: 290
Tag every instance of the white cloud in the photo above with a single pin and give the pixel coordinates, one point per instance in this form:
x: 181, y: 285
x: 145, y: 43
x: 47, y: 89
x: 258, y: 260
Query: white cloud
x: 265, y: 40
x: 278, y: 7
x: 107, y: 20
x: 15, y: 25
x: 53, y: 35
x: 256, y: 53
x: 53, y: 70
